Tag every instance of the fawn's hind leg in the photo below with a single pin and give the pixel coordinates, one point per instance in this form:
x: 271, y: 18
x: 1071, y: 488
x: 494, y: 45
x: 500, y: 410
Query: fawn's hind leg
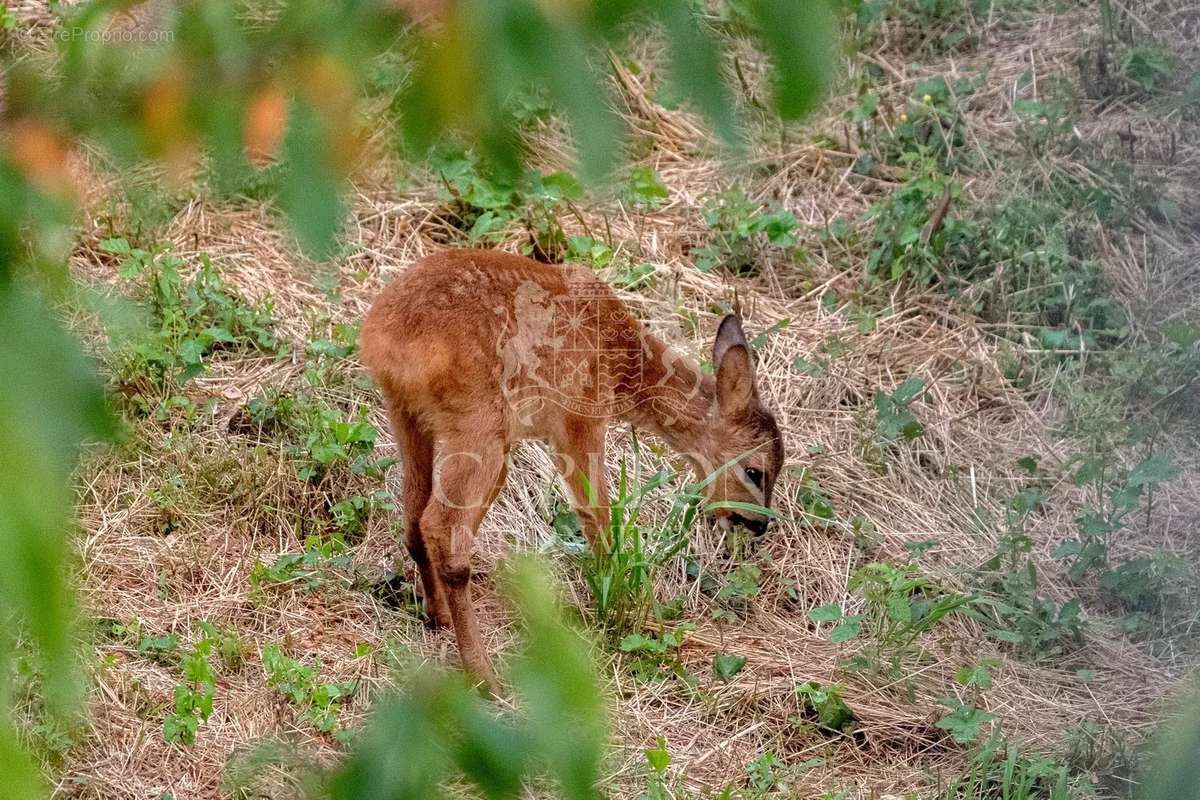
x: 470, y: 473
x: 417, y: 448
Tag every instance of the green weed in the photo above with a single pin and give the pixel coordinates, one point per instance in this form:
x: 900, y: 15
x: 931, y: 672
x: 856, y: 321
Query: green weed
x: 998, y: 770
x: 742, y: 233
x: 1147, y: 66
x: 483, y: 204
x: 657, y: 759
x: 306, y: 570
x: 188, y: 324
x: 620, y: 572
x: 1137, y: 584
x: 193, y: 699
x: 965, y: 722
x: 1009, y: 602
x: 929, y: 26
x: 909, y: 240
x: 894, y: 418
x: 318, y: 436
x: 900, y: 606
x: 822, y: 705
x: 300, y: 685
x: 726, y: 665
x: 655, y: 656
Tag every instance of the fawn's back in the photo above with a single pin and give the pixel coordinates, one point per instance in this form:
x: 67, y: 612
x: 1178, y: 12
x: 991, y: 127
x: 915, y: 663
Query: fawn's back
x: 470, y: 332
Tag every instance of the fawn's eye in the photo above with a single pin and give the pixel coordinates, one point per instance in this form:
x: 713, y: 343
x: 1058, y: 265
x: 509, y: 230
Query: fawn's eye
x: 755, y: 476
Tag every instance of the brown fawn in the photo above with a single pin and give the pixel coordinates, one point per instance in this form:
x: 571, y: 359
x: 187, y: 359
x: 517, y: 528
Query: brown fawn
x: 475, y: 350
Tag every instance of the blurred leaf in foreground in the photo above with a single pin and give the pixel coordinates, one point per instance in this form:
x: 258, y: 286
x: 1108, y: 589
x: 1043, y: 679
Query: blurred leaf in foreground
x: 1174, y: 769
x: 440, y: 729
x: 219, y: 92
x: 50, y: 400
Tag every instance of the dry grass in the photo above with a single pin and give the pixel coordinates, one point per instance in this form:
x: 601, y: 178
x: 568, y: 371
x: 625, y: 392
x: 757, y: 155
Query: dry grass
x: 242, y: 501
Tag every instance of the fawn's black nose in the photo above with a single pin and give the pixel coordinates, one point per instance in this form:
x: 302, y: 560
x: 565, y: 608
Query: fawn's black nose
x: 756, y: 526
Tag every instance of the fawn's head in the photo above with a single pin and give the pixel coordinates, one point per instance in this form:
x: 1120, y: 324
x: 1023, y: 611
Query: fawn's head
x: 740, y: 430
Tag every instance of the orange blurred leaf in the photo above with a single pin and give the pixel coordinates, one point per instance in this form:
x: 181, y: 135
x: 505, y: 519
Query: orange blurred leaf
x: 265, y: 122
x: 40, y: 153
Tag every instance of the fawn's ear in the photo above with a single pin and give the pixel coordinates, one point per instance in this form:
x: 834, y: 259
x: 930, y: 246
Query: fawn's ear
x: 734, y: 369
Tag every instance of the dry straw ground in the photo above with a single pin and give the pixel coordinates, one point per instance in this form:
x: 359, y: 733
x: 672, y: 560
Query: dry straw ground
x: 241, y: 500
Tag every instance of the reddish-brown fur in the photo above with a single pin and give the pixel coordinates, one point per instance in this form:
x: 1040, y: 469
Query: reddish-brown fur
x: 475, y: 350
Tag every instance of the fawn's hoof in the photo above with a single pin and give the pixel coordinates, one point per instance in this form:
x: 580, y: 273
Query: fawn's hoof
x: 435, y: 622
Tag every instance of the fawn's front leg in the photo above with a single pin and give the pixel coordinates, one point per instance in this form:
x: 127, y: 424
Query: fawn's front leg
x: 471, y: 468
x: 580, y: 454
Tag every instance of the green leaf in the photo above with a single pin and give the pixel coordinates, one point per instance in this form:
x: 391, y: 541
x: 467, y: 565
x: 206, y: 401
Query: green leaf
x: 801, y: 39
x: 809, y: 368
x: 1182, y: 333
x: 846, y: 630
x: 310, y: 195
x: 907, y: 392
x: 975, y: 675
x: 647, y: 187
x: 658, y: 758
x: 829, y: 612
x: 725, y: 666
x: 760, y: 340
x: 45, y: 412
x: 832, y: 711
x: 1155, y: 469
x: 964, y: 722
x: 1145, y: 65
x: 636, y: 642
x: 1011, y: 637
x: 738, y: 505
x: 899, y: 608
x: 116, y: 246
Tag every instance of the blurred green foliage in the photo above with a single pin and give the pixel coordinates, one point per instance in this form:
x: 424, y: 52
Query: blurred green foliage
x: 50, y: 400
x: 232, y: 86
x: 1174, y: 769
x: 441, y: 729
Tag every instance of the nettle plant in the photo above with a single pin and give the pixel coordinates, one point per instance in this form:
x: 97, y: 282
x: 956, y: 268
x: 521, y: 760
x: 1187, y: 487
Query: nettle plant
x: 655, y: 657
x: 894, y: 418
x: 308, y: 570
x: 900, y: 605
x: 742, y: 233
x: 929, y: 125
x: 615, y: 266
x: 300, y: 684
x: 484, y: 204
x: 1139, y: 584
x: 914, y: 232
x: 193, y: 698
x: 317, y: 435
x: 1009, y: 603
x: 822, y: 705
x: 190, y: 323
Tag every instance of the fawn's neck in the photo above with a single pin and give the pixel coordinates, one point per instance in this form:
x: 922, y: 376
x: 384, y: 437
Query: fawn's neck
x: 674, y: 397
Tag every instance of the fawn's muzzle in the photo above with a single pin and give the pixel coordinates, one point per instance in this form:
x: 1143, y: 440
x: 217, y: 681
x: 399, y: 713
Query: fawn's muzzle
x: 756, y: 526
